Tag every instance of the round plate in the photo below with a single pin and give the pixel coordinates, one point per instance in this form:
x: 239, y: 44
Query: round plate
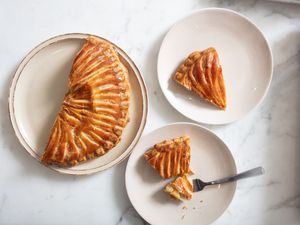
x: 245, y: 57
x: 38, y: 89
x: 210, y: 159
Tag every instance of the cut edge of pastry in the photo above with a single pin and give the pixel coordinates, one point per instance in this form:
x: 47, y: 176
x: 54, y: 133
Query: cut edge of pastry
x: 180, y: 189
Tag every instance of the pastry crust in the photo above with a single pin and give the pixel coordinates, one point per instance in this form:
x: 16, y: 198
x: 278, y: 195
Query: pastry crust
x: 202, y: 73
x: 95, y: 109
x: 181, y: 188
x: 171, y: 157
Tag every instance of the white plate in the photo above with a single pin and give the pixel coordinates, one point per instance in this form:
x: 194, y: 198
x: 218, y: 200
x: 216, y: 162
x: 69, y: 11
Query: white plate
x: 37, y: 91
x: 244, y: 54
x: 210, y: 159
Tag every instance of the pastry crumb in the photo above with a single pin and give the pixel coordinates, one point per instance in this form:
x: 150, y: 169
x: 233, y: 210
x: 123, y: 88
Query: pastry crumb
x: 184, y: 207
x: 182, y: 217
x: 194, y: 207
x: 201, y: 201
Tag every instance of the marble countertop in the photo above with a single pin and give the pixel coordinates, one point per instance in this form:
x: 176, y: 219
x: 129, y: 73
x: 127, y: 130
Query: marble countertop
x: 269, y: 136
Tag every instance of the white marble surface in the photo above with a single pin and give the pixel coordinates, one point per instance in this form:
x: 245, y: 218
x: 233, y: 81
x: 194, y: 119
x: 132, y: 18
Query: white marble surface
x: 269, y: 136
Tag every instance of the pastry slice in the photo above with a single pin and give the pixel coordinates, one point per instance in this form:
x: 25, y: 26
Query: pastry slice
x: 181, y: 188
x: 171, y: 157
x: 202, y: 73
x: 94, y: 111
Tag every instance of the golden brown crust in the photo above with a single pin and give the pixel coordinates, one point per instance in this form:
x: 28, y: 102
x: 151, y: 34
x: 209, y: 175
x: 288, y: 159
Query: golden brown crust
x: 202, y: 73
x: 95, y: 109
x: 181, y: 188
x: 170, y: 157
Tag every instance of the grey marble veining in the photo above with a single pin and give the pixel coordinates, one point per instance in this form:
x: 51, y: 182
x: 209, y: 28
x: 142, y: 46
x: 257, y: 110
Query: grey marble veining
x: 268, y: 136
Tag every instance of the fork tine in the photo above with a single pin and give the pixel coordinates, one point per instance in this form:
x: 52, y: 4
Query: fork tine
x: 196, y: 185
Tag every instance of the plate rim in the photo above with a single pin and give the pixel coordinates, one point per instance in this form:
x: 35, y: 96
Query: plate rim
x: 207, y: 122
x: 187, y: 124
x: 14, y: 124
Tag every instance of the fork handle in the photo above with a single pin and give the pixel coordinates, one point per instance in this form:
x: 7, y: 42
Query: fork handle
x: 249, y: 173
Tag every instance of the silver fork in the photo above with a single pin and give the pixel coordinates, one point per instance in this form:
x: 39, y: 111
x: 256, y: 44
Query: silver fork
x: 198, y: 184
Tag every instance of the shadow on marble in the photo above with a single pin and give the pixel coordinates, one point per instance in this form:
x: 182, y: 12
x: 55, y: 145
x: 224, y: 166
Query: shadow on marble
x: 281, y: 110
x: 130, y: 216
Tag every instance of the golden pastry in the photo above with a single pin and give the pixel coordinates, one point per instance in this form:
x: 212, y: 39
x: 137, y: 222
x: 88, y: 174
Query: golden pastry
x: 95, y: 108
x: 170, y: 157
x: 202, y: 73
x: 181, y: 188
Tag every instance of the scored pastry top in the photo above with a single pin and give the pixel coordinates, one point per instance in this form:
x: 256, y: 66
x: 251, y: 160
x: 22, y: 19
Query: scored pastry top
x: 171, y: 157
x: 95, y: 109
x: 202, y: 73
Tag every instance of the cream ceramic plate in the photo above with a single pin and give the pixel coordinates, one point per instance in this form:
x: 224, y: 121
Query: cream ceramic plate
x: 37, y: 91
x: 210, y: 159
x: 244, y: 54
